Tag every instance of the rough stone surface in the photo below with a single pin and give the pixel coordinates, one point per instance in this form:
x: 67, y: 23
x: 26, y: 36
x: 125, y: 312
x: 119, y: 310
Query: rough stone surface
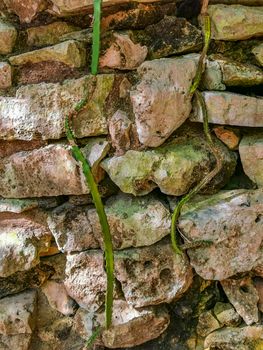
x: 58, y: 297
x: 5, y: 75
x: 244, y: 297
x: 174, y: 167
x: 258, y: 283
x: 35, y: 173
x: 161, y: 100
x: 71, y: 53
x: 232, y: 222
x: 228, y: 136
x: 21, y: 242
x: 152, y: 275
x: 8, y: 35
x: 134, y: 222
x: 251, y: 154
x: 235, y: 22
x: 17, y: 313
x: 26, y: 9
x: 230, y: 338
x: 258, y: 52
x: 230, y: 108
x: 212, y: 78
x: 18, y: 206
x: 18, y: 341
x: 39, y: 111
x: 71, y: 228
x: 207, y: 323
x: 226, y: 315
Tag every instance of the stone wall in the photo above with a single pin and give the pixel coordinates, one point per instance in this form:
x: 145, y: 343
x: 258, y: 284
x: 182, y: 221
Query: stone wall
x: 141, y: 131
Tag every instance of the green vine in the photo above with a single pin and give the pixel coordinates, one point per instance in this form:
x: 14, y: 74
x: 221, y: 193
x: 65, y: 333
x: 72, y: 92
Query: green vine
x: 96, y: 37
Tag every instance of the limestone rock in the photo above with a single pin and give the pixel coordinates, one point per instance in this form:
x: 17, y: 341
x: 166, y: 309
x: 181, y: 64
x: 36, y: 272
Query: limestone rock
x: 17, y: 313
x: 5, y: 75
x: 48, y: 171
x: 258, y: 52
x: 70, y: 52
x: 244, y: 297
x: 21, y: 242
x: 172, y: 167
x: 226, y: 315
x: 235, y: 22
x: 18, y: 206
x: 231, y: 222
x: 134, y: 222
x: 230, y: 338
x: 212, y: 78
x: 71, y: 228
x: 207, y: 323
x: 258, y: 283
x: 26, y: 9
x: 8, y: 35
x: 251, y: 151
x: 230, y: 108
x: 58, y: 297
x: 18, y: 341
x: 152, y: 275
x: 123, y: 53
x: 39, y: 111
x: 49, y: 34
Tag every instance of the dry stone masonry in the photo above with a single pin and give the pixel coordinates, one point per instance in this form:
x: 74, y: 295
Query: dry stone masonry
x: 141, y: 131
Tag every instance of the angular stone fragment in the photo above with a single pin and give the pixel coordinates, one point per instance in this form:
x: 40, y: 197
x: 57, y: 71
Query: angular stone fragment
x: 174, y: 167
x: 231, y: 221
x: 229, y: 338
x: 226, y: 315
x: 230, y: 108
x: 134, y: 222
x: 48, y: 171
x: 161, y: 100
x: 123, y: 53
x: 70, y: 52
x: 207, y: 323
x: 228, y: 136
x: 235, y: 22
x: 49, y: 34
x: 71, y: 228
x: 39, y: 111
x: 251, y: 153
x: 152, y: 275
x: 244, y: 297
x: 258, y: 52
x: 8, y: 35
x: 13, y: 205
x: 26, y: 9
x: 212, y: 78
x: 5, y: 75
x: 17, y: 313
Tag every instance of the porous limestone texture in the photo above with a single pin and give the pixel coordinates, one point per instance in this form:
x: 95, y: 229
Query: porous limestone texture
x: 232, y: 223
x: 5, y: 75
x: 8, y: 35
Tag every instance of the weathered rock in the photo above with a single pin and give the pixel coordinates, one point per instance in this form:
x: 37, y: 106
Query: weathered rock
x: 229, y: 338
x: 17, y: 313
x: 207, y: 323
x: 9, y: 147
x: 58, y: 265
x: 231, y: 222
x: 226, y: 315
x: 152, y: 275
x: 127, y: 325
x: 18, y: 206
x: 251, y: 150
x: 258, y: 52
x: 258, y: 283
x: 26, y: 9
x: 212, y: 78
x: 39, y: 111
x: 84, y: 36
x: 8, y: 35
x: 174, y: 167
x: 161, y: 100
x: 228, y: 136
x: 123, y: 53
x: 230, y: 108
x: 5, y: 75
x: 244, y: 297
x: 18, y: 341
x: 71, y: 228
x: 134, y: 222
x: 235, y: 22
x: 70, y: 52
x: 58, y: 297
x: 36, y: 173
x: 170, y: 36
x: 21, y: 242
x: 48, y: 34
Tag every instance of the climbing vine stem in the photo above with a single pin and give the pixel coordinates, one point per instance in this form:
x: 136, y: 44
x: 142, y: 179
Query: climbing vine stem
x: 96, y: 37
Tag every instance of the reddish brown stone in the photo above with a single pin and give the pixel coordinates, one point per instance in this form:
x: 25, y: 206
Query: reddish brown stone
x: 26, y: 9
x: 227, y: 136
x: 9, y: 147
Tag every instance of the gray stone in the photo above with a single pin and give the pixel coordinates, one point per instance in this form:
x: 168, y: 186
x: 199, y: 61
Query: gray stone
x: 161, y: 100
x: 212, y: 78
x: 258, y: 52
x: 134, y: 222
x: 230, y: 108
x: 5, y: 75
x: 231, y: 222
x: 226, y: 315
x: 251, y: 154
x: 8, y: 35
x: 235, y: 22
x: 244, y: 297
x: 18, y: 206
x: 207, y: 323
